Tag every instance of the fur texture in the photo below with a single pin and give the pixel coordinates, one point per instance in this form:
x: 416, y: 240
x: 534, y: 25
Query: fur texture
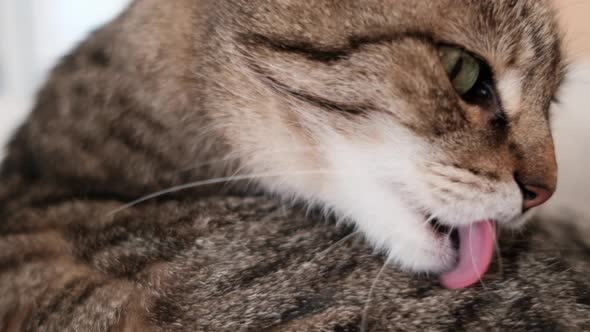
x: 250, y: 264
x: 342, y: 105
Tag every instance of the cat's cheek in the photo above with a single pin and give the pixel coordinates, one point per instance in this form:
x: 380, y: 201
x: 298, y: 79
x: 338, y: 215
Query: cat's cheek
x: 503, y: 205
x: 467, y: 200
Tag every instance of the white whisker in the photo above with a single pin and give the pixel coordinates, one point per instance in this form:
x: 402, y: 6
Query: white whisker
x: 498, y: 252
x: 333, y: 246
x: 473, y: 260
x: 196, y: 184
x: 429, y: 219
x: 364, y: 322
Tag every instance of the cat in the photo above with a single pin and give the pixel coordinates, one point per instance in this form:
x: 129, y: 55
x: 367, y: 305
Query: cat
x: 421, y: 127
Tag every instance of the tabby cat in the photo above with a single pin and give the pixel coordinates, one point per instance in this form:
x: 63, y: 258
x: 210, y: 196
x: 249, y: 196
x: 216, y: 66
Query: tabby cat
x: 394, y: 136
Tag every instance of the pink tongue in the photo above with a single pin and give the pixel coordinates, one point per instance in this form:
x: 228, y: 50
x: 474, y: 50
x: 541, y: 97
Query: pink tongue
x: 476, y: 249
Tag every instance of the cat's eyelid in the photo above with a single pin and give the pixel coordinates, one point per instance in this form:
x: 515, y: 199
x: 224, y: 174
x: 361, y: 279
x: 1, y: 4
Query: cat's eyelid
x: 312, y: 52
x: 482, y: 59
x: 327, y: 54
x: 310, y: 98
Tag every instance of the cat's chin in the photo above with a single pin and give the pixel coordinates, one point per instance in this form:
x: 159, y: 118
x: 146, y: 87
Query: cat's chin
x: 416, y: 242
x: 406, y: 235
x: 461, y: 256
x: 460, y: 253
x: 430, y: 250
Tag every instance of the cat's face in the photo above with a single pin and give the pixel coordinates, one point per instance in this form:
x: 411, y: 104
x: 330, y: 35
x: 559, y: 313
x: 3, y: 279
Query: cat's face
x: 390, y: 112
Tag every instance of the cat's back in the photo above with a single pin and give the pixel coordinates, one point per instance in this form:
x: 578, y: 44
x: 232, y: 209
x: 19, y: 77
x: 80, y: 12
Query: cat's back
x: 238, y: 264
x: 112, y: 124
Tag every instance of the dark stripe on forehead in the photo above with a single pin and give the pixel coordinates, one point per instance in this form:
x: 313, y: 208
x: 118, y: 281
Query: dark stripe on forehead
x: 310, y: 98
x: 306, y: 49
x: 318, y: 101
x: 328, y: 54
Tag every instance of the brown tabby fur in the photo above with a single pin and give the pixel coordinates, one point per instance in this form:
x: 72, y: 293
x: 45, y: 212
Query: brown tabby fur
x: 158, y: 91
x: 248, y: 264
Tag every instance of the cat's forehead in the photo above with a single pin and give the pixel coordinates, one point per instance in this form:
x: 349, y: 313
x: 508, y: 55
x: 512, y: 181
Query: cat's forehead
x: 335, y: 19
x: 519, y: 38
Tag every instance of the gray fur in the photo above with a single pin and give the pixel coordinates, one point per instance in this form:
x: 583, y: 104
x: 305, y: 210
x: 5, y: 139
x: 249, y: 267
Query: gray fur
x: 139, y: 104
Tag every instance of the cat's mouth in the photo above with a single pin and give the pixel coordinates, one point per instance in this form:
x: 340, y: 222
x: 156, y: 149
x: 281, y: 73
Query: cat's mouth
x: 475, y: 244
x: 441, y: 230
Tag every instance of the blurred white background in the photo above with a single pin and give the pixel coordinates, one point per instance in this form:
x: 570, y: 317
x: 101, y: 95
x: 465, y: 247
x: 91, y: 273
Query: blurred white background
x: 35, y: 33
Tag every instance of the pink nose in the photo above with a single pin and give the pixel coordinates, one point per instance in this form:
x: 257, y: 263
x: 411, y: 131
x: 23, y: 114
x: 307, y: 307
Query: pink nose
x: 534, y: 196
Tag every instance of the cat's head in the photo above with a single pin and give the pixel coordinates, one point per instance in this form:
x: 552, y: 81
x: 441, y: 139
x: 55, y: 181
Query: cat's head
x: 393, y: 112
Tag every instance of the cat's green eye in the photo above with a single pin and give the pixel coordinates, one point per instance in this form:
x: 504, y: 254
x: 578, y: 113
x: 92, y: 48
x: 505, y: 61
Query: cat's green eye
x: 463, y: 69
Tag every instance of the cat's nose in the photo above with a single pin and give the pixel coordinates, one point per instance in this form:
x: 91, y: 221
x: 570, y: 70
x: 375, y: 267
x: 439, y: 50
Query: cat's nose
x: 536, y: 171
x: 534, y: 195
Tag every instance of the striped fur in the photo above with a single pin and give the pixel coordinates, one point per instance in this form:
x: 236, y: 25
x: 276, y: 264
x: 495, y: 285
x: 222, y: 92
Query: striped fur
x: 167, y: 94
x: 249, y: 264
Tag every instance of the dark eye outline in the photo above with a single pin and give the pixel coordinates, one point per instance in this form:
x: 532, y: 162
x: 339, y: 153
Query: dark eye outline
x: 483, y: 92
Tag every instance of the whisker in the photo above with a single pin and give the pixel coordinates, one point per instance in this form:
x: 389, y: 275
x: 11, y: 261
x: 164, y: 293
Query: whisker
x: 236, y: 173
x: 237, y: 154
x: 434, y: 216
x: 284, y: 210
x: 279, y: 211
x: 451, y: 230
x: 323, y: 253
x: 196, y: 184
x: 364, y: 322
x: 473, y: 260
x: 429, y: 219
x: 499, y: 253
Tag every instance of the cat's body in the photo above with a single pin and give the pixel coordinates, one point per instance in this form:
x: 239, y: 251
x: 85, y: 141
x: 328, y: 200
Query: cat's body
x: 249, y: 264
x: 181, y: 91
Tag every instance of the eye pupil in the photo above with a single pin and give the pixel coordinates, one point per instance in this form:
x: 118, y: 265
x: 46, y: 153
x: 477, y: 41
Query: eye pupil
x: 456, y: 69
x: 469, y: 76
x: 482, y: 92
